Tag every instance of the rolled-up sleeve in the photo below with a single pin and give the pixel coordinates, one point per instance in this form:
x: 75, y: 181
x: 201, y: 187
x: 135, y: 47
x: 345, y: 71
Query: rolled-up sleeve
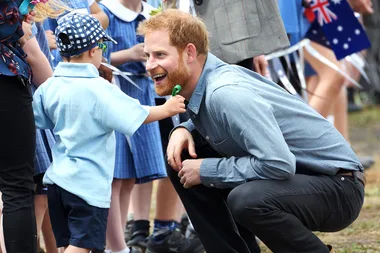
x: 250, y: 121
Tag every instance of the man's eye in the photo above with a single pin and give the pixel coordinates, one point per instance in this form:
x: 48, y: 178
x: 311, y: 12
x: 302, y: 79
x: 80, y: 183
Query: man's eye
x: 160, y: 54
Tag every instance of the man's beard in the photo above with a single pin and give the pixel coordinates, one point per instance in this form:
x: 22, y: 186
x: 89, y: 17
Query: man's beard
x: 179, y: 76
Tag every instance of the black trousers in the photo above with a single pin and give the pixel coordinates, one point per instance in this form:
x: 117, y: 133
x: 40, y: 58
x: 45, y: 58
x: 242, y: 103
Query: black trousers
x: 17, y: 145
x: 281, y: 213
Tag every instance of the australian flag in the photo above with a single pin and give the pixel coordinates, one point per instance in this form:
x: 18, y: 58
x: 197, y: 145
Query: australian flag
x: 335, y: 26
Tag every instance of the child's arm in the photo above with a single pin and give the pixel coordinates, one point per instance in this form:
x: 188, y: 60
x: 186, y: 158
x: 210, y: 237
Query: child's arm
x: 99, y: 14
x: 38, y: 62
x: 133, y: 54
x: 172, y: 107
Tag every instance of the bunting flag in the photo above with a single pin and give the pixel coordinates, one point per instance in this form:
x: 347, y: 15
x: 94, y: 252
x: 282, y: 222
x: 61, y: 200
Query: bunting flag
x: 335, y: 26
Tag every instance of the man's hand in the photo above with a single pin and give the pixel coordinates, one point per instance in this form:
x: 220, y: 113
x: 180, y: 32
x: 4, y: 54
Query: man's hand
x: 260, y: 65
x: 51, y: 39
x: 179, y: 140
x: 190, y: 173
x: 362, y: 6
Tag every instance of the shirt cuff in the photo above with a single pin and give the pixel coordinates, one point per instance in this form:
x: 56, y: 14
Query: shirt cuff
x: 187, y: 125
x: 209, y: 172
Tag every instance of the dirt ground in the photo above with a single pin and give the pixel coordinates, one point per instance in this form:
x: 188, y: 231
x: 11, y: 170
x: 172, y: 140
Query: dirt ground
x: 363, y: 236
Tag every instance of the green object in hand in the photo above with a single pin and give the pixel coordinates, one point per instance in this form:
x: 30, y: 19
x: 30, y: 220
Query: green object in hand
x: 176, y: 90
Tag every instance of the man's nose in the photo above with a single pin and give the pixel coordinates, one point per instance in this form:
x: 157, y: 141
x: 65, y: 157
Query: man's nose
x: 151, y: 64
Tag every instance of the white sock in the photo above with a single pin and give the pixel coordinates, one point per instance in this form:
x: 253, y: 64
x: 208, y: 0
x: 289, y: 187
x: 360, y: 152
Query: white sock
x: 126, y: 250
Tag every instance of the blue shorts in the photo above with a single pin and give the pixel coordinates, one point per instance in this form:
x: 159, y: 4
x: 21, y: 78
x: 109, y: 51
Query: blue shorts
x: 75, y: 222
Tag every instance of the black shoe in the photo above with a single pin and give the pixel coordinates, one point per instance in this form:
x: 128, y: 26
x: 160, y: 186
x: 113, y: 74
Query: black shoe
x: 184, y: 223
x: 136, y: 249
x: 175, y: 242
x: 139, y: 239
x: 128, y: 230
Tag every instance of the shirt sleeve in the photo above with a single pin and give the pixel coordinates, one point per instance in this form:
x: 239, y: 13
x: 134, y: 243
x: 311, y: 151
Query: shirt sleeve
x: 41, y: 118
x: 189, y: 125
x: 123, y: 113
x: 250, y: 122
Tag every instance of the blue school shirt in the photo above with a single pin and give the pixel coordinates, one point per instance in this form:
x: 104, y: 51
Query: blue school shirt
x: 83, y: 110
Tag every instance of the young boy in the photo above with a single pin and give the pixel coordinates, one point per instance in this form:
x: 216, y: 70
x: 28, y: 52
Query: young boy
x: 84, y: 110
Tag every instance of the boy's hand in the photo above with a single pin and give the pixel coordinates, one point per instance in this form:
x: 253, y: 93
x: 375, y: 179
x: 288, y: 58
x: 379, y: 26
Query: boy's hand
x: 175, y: 105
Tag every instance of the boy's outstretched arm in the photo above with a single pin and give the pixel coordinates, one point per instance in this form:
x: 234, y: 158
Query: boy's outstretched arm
x: 172, y: 107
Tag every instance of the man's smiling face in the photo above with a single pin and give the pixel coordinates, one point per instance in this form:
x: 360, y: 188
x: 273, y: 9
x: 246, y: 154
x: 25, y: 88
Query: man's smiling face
x: 165, y: 63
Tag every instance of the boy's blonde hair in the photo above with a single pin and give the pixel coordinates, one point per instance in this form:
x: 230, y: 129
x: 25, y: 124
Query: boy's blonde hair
x: 52, y: 9
x: 183, y: 29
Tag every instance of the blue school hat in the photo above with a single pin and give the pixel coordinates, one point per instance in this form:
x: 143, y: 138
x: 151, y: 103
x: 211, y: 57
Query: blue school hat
x: 77, y: 33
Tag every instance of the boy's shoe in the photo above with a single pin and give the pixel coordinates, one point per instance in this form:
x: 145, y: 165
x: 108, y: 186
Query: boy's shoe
x: 175, y: 242
x: 184, y: 223
x: 136, y: 250
x: 139, y: 239
x: 128, y: 230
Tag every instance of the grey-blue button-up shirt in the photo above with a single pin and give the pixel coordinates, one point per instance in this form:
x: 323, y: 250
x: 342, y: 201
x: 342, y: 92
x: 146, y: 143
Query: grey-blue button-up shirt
x: 262, y: 131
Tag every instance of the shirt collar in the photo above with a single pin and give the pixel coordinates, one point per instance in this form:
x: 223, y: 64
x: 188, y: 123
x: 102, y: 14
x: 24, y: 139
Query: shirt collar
x: 124, y: 13
x: 84, y: 70
x: 212, y: 62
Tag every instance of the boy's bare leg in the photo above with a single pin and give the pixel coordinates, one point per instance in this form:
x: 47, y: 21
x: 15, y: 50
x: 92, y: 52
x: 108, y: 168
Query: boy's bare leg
x: 121, y: 189
x: 48, y: 235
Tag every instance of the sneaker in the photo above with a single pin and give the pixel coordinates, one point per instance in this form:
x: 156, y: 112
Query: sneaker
x: 139, y: 239
x: 184, y: 223
x: 175, y: 242
x: 128, y: 230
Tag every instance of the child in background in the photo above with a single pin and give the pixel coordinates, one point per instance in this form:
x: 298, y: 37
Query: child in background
x: 139, y: 161
x: 83, y: 110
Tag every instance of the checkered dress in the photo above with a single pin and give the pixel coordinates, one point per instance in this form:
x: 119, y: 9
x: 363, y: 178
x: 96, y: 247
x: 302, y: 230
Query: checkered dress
x: 44, y: 138
x: 144, y: 159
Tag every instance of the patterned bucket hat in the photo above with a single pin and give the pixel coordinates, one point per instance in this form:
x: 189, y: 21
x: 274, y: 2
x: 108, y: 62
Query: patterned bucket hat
x: 77, y: 33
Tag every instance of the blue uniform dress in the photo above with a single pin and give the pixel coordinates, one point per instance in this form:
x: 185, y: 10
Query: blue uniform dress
x: 44, y: 138
x: 143, y: 157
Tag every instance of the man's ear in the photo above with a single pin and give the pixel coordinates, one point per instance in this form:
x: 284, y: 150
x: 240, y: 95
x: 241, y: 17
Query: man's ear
x: 191, y: 52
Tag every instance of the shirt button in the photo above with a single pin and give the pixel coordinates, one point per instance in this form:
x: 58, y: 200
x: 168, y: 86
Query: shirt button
x: 207, y: 138
x: 211, y: 185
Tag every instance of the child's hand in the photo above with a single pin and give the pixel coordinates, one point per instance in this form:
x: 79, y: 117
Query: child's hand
x: 27, y: 29
x: 175, y: 105
x: 137, y: 52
